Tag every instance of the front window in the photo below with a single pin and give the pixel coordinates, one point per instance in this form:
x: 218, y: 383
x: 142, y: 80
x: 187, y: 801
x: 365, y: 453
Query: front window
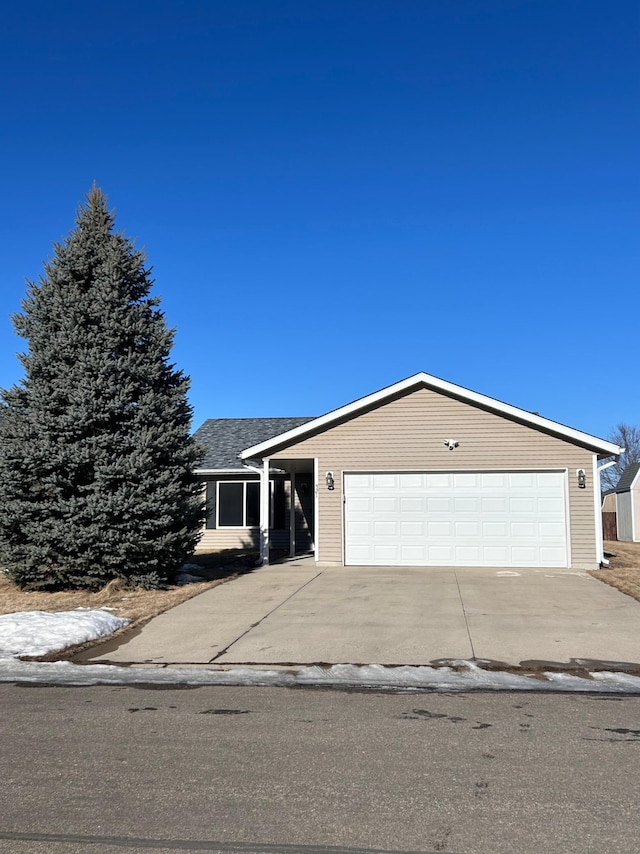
x: 238, y: 504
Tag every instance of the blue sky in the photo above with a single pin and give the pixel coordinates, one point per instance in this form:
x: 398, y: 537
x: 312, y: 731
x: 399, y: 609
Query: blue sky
x: 336, y: 195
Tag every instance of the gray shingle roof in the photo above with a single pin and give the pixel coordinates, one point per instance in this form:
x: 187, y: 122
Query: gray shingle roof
x: 224, y: 438
x: 627, y: 477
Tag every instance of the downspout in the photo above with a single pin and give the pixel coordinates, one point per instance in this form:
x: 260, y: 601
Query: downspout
x: 598, y: 491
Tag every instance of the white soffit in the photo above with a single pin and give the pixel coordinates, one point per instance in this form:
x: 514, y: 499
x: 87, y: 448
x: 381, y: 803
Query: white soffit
x: 427, y: 381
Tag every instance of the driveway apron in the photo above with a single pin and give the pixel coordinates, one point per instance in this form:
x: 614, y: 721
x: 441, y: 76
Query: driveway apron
x: 307, y: 614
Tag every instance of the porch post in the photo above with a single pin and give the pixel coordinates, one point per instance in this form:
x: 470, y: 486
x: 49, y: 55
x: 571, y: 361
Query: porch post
x: 292, y: 517
x: 316, y: 511
x: 265, y: 500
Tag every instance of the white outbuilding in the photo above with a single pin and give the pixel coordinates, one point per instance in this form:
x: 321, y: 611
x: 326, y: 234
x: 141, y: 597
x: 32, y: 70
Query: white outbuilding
x: 628, y: 504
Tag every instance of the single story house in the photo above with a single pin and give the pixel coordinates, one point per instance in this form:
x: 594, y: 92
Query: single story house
x: 421, y: 473
x: 628, y: 504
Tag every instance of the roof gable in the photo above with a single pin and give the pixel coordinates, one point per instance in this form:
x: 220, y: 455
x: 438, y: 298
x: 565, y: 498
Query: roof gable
x: 423, y: 380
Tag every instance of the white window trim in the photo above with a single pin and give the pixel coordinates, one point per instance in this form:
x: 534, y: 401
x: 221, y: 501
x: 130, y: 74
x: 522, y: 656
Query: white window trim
x: 244, y: 527
x: 244, y: 505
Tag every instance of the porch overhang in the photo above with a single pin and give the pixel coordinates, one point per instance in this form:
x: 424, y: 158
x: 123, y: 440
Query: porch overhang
x: 266, y: 467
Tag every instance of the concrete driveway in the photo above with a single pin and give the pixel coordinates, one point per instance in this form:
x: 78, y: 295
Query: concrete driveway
x: 300, y: 613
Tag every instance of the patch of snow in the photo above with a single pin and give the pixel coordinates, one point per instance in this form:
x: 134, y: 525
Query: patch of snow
x: 466, y: 676
x: 40, y: 632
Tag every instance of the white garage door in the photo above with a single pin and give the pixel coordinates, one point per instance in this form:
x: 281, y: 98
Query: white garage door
x: 455, y: 519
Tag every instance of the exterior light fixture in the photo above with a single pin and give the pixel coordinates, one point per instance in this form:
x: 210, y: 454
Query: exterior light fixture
x: 582, y: 478
x: 331, y: 484
x: 451, y: 443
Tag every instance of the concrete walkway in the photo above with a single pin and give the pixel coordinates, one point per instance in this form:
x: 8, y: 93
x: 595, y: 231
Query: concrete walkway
x: 301, y: 613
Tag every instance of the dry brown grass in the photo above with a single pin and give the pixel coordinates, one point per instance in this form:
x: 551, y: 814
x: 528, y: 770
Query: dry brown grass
x: 138, y: 605
x: 624, y: 570
x: 135, y: 604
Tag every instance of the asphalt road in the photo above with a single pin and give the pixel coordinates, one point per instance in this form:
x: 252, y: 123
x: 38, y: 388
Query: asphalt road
x: 120, y: 769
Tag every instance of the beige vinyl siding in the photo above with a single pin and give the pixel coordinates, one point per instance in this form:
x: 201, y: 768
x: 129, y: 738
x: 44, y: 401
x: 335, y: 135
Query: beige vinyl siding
x: 408, y: 433
x: 218, y: 539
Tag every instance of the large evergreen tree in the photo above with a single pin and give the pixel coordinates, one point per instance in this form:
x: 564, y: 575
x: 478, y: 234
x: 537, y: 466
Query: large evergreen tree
x: 96, y: 458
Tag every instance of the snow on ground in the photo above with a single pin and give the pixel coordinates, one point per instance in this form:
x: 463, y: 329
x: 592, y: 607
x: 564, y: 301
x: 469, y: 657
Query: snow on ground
x: 39, y: 632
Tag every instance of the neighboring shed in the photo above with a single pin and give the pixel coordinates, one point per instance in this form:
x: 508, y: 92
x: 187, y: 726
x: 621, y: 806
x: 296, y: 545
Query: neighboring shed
x: 628, y: 504
x: 609, y: 529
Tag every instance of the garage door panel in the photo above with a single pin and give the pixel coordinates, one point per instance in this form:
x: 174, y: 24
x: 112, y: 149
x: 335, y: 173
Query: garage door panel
x: 440, y: 555
x: 494, y: 480
x: 386, y: 554
x: 548, y: 479
x: 449, y: 518
x: 523, y: 505
x: 551, y: 506
x: 439, y: 529
x: 498, y: 555
x: 360, y: 481
x: 439, y: 505
x: 439, y: 481
x: 413, y: 555
x: 494, y: 529
x: 411, y: 481
x: 551, y: 530
x: 468, y: 556
x: 386, y: 529
x: 385, y: 481
x: 524, y: 556
x: 494, y: 505
x: 411, y: 528
x: 357, y: 528
x: 386, y: 505
x: 413, y: 505
x: 466, y: 481
x: 552, y: 556
x: 466, y: 505
x: 520, y: 530
x: 359, y: 554
x: 526, y: 480
x: 467, y: 529
x: 360, y: 505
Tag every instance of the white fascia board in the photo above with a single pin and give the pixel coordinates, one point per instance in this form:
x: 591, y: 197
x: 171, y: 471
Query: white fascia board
x: 245, y: 468
x: 600, y: 445
x: 221, y: 471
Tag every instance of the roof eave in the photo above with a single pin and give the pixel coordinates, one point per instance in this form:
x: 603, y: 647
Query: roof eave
x: 600, y: 446
x: 239, y: 470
